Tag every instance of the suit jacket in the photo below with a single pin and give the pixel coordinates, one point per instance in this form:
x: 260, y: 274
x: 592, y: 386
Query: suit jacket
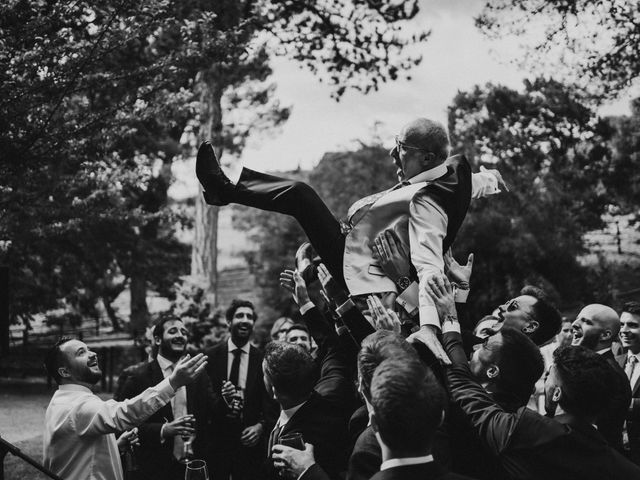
x: 633, y: 415
x: 528, y: 445
x: 451, y: 192
x: 422, y: 471
x: 322, y: 419
x: 225, y: 434
x: 366, y: 457
x: 155, y: 457
x: 611, y: 422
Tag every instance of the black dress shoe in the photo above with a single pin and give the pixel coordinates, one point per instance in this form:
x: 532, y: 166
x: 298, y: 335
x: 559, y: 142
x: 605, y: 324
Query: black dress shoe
x: 306, y: 263
x: 214, y: 182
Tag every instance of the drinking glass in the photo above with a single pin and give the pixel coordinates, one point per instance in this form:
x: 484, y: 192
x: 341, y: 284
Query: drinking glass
x: 196, y: 470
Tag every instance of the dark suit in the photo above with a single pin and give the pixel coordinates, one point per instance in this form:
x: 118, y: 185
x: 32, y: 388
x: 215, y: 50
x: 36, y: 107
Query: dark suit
x: 528, y: 445
x: 322, y: 419
x: 228, y: 455
x: 366, y: 457
x: 422, y: 471
x: 633, y: 416
x: 611, y: 422
x: 155, y: 458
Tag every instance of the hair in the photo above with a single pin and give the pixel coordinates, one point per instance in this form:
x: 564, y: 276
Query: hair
x: 521, y: 364
x: 631, y: 307
x: 299, y: 326
x: 375, y: 348
x: 235, y: 305
x: 548, y: 317
x: 587, y: 380
x: 53, y: 359
x: 163, y: 319
x: 290, y: 369
x: 438, y: 140
x: 408, y: 403
x: 277, y: 326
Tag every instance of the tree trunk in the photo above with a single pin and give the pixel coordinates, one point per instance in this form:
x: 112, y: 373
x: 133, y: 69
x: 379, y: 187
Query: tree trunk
x: 204, y: 254
x: 111, y: 313
x: 139, y: 310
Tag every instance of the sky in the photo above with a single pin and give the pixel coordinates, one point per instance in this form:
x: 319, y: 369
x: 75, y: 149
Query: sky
x: 455, y: 58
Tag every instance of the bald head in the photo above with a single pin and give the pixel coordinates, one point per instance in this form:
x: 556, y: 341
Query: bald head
x: 596, y: 327
x: 427, y: 135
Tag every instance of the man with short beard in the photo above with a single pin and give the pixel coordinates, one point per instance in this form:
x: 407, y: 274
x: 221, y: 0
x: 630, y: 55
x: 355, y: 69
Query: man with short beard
x: 596, y: 327
x: 242, y: 411
x: 179, y: 430
x: 79, y: 438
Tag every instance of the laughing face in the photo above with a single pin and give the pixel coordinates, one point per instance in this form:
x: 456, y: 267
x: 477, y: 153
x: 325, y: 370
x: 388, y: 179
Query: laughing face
x: 80, y: 363
x: 241, y: 325
x: 173, y: 343
x: 630, y: 331
x: 516, y: 313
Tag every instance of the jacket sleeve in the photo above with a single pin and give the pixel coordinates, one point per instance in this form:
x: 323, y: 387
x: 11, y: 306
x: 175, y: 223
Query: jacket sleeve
x: 493, y: 424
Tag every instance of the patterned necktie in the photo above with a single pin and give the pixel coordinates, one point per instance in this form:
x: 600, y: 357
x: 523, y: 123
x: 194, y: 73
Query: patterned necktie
x: 362, y: 206
x: 179, y: 407
x: 630, y: 367
x: 234, y: 375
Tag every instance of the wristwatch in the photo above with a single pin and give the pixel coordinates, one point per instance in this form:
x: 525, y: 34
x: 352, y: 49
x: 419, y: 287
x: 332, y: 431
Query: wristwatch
x: 403, y: 283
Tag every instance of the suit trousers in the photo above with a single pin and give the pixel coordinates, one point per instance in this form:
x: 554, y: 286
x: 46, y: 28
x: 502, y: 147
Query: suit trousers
x: 299, y: 200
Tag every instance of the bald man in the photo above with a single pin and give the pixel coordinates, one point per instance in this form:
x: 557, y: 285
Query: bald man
x: 596, y: 327
x: 425, y: 210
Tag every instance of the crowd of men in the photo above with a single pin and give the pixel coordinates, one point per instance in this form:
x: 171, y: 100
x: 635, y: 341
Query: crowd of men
x: 387, y: 374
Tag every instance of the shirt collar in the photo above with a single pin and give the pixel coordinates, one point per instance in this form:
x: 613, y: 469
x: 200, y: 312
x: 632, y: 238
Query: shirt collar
x: 603, y: 351
x: 164, y: 363
x: 399, y: 462
x: 74, y: 387
x: 285, y: 415
x: 232, y: 346
x: 429, y: 175
x: 631, y: 354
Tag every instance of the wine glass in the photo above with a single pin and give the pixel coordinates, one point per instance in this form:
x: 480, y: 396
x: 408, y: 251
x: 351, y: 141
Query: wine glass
x: 196, y: 470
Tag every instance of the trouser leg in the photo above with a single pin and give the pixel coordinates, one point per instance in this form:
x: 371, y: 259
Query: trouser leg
x: 299, y: 200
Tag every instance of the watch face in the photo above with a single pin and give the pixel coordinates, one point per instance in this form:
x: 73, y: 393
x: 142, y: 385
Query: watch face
x: 404, y: 282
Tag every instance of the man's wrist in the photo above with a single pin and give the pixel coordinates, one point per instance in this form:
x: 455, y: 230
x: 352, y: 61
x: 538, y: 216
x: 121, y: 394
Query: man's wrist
x: 345, y: 307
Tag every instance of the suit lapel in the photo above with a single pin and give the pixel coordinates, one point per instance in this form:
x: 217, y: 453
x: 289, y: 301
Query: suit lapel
x: 222, y: 362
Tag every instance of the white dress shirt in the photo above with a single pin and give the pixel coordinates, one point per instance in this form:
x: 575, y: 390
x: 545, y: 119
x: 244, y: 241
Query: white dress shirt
x: 244, y: 362
x: 178, y: 404
x: 636, y: 371
x: 427, y: 229
x: 400, y: 462
x: 79, y: 440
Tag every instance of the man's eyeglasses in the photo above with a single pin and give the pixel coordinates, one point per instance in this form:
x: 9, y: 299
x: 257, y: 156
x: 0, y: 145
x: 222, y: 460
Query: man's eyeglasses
x: 401, y: 144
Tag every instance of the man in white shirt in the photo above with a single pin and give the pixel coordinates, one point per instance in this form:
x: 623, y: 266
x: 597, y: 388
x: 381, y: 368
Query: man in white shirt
x: 425, y: 210
x: 79, y: 437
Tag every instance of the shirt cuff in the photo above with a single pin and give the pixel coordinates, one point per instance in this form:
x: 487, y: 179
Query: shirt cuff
x: 345, y: 307
x: 450, y: 327
x: 461, y: 295
x: 165, y: 390
x: 409, y: 299
x: 429, y: 316
x: 306, y: 307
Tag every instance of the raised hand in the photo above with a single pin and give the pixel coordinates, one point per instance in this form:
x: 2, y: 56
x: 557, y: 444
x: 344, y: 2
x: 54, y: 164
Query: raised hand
x: 182, y: 426
x: 187, y: 370
x: 128, y: 439
x: 441, y: 292
x: 334, y: 291
x: 292, y: 281
x: 383, y: 318
x: 458, y: 274
x: 390, y: 253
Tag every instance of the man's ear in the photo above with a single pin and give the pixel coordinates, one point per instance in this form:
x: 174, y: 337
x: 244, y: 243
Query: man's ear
x: 63, y: 372
x: 606, y: 335
x: 157, y: 341
x: 493, y: 371
x: 557, y: 394
x: 530, y: 327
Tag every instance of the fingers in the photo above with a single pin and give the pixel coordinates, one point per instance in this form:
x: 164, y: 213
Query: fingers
x: 440, y: 354
x: 392, y: 242
x: 323, y: 274
x: 470, y: 261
